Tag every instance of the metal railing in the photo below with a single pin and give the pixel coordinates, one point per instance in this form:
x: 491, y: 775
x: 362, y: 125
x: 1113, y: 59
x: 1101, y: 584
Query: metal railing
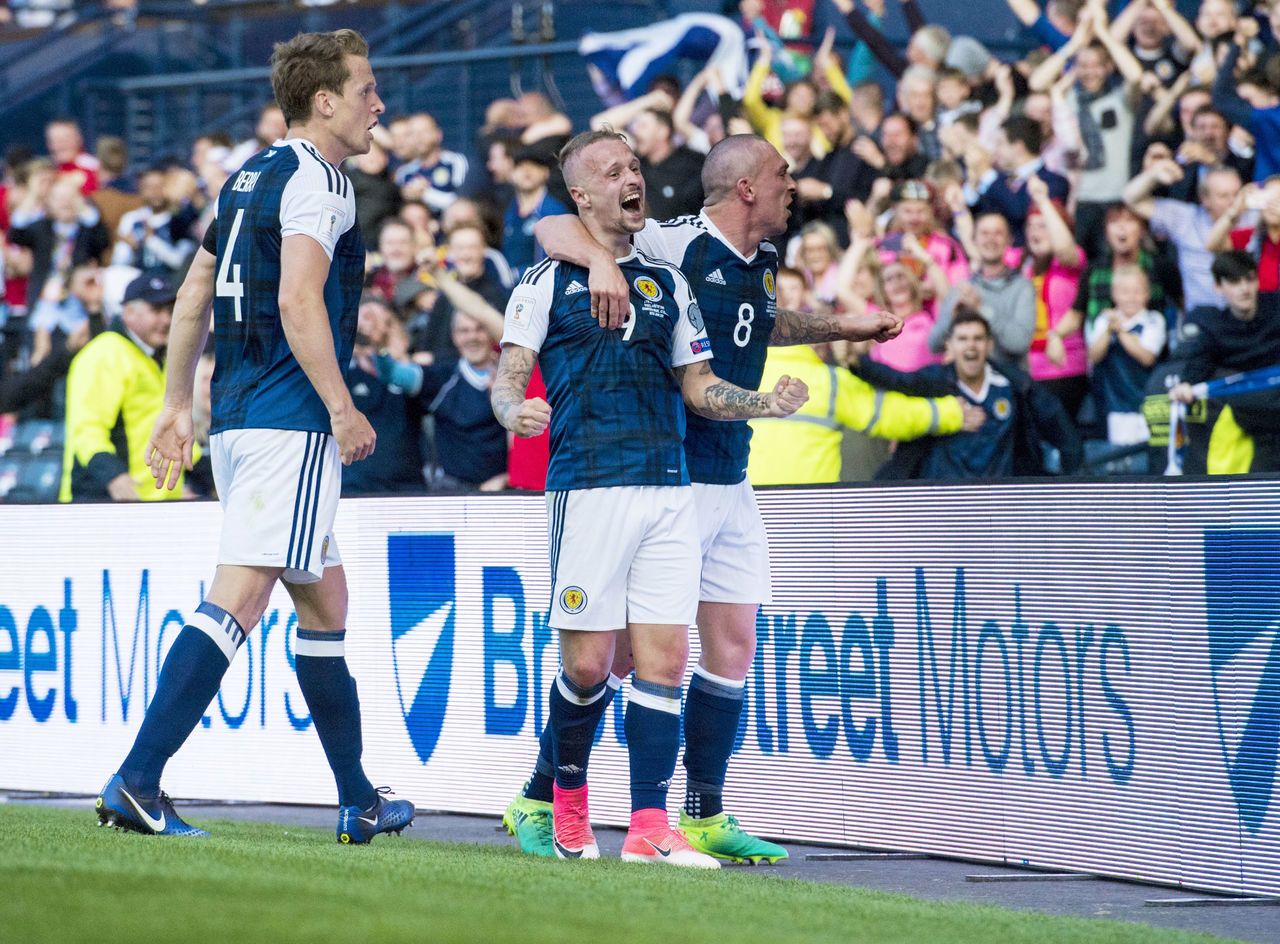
x: 454, y: 86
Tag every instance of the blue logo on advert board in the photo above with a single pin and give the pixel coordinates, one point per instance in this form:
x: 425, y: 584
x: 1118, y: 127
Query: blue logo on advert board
x: 422, y: 587
x: 1242, y: 602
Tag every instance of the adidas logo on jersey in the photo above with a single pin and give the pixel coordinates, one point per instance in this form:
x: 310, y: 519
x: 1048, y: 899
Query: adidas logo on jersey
x: 574, y: 288
x: 715, y: 278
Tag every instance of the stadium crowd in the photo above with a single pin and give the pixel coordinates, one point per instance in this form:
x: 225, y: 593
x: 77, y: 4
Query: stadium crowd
x: 1092, y: 229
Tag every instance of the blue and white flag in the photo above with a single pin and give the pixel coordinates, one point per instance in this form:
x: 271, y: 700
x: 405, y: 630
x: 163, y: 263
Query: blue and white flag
x: 629, y: 60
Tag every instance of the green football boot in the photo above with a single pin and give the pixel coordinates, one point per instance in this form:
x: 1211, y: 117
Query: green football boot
x: 722, y: 837
x: 530, y: 822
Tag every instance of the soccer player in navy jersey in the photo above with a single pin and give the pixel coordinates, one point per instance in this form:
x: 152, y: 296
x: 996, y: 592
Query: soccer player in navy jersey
x: 732, y: 268
x: 283, y: 267
x: 623, y: 531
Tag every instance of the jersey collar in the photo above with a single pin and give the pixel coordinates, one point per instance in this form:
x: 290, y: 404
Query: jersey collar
x: 478, y: 379
x: 715, y: 231
x: 991, y: 378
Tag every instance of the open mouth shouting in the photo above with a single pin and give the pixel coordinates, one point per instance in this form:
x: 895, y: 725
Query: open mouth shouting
x: 633, y: 203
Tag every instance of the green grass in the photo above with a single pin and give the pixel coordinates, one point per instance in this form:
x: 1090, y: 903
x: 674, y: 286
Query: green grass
x: 65, y: 880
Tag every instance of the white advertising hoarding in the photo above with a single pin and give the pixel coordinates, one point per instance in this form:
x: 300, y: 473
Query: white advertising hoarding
x: 1084, y: 676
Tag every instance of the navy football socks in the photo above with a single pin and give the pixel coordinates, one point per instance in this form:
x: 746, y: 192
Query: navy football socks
x: 540, y: 785
x: 189, y: 680
x: 710, y: 726
x: 330, y: 693
x: 653, y: 741
x: 574, y: 714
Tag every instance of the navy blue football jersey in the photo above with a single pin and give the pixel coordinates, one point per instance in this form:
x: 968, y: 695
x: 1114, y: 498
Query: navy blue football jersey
x: 1119, y: 380
x: 986, y: 453
x: 617, y: 412
x: 284, y: 190
x: 737, y: 297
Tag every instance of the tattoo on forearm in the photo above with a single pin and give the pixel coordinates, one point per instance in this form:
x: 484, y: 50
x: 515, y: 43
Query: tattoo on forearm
x: 798, y: 327
x: 515, y: 367
x: 724, y: 401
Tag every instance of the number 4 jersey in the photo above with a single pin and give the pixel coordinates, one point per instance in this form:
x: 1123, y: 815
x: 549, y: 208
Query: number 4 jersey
x: 737, y: 297
x: 284, y: 190
x: 617, y: 411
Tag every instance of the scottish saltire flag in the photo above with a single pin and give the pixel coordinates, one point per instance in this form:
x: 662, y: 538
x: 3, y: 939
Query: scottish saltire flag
x: 629, y: 60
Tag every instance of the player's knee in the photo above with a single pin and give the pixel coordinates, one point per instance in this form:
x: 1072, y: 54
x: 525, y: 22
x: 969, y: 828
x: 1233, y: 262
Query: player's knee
x: 666, y: 667
x: 586, y: 669
x: 730, y: 658
x: 728, y: 639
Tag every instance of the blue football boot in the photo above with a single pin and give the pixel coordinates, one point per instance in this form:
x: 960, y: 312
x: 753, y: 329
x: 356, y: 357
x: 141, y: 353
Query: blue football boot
x: 356, y: 826
x: 151, y: 816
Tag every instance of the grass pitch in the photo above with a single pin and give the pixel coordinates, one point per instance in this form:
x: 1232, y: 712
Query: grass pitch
x: 66, y: 880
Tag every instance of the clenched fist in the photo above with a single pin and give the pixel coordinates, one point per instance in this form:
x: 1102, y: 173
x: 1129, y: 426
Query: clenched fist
x: 789, y: 394
x: 532, y: 418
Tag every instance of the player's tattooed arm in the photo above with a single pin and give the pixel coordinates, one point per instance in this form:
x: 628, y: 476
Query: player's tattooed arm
x: 800, y: 327
x: 524, y: 417
x: 716, y: 399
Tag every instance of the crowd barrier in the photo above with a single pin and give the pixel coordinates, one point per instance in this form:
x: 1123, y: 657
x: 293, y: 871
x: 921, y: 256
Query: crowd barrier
x: 1079, y: 676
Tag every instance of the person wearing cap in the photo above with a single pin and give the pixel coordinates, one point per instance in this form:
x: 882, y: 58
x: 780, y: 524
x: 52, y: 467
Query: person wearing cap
x: 115, y: 391
x: 914, y: 215
x: 529, y: 175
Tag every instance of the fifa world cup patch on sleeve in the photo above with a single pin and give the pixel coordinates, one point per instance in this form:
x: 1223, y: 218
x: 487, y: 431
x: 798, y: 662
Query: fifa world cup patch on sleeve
x: 328, y: 225
x: 521, y: 310
x: 698, y: 345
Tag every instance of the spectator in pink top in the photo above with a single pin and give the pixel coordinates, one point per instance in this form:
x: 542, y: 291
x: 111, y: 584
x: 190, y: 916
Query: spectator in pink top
x: 1054, y: 263
x: 914, y: 216
x: 896, y: 287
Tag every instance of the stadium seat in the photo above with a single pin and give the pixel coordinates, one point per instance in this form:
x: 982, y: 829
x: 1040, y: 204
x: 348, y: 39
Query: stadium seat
x: 38, y: 436
x: 39, y: 479
x: 11, y: 467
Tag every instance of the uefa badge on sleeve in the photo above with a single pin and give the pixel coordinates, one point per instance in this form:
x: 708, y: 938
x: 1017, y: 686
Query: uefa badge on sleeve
x: 573, y: 600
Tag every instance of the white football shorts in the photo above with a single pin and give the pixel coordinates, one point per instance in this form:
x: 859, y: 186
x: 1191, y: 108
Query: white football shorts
x: 735, y: 548
x: 279, y: 492
x: 623, y: 555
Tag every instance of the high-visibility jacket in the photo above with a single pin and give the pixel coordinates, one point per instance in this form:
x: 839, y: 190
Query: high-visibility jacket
x: 115, y: 391
x: 804, y: 448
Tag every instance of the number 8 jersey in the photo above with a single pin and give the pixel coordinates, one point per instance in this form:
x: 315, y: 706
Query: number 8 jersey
x: 284, y: 190
x: 737, y: 297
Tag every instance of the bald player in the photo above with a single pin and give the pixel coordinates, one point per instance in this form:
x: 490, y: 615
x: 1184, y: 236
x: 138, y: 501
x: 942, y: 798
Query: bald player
x: 724, y: 254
